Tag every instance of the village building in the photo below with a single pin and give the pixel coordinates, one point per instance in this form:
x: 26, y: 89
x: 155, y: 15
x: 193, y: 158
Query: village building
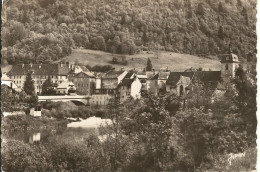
x: 179, y: 82
x: 5, y: 80
x: 130, y: 86
x: 230, y: 63
x: 157, y: 83
x: 112, y: 78
x: 84, y: 82
x: 102, y: 96
x: 40, y: 72
x: 66, y: 87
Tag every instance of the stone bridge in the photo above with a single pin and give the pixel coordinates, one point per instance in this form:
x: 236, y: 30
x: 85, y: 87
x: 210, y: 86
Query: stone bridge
x: 77, y: 99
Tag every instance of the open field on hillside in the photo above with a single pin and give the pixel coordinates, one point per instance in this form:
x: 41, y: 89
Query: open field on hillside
x: 6, y: 68
x: 174, y: 61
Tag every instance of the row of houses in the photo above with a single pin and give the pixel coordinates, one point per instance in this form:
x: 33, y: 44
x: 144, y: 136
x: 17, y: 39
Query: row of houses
x: 102, y: 87
x: 163, y: 82
x: 63, y: 77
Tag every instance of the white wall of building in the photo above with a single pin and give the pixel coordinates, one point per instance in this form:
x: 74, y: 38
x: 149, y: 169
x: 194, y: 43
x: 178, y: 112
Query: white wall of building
x: 136, y: 87
x: 98, y: 83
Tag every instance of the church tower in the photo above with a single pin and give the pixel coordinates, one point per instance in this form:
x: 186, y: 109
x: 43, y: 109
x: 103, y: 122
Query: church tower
x: 229, y: 64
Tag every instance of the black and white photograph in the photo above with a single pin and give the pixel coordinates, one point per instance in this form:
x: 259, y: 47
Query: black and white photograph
x: 129, y: 85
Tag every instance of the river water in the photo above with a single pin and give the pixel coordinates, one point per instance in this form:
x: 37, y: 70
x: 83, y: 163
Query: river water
x: 78, y: 131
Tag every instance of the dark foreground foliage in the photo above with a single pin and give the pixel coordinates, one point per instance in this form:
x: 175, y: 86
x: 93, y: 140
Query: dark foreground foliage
x: 144, y: 136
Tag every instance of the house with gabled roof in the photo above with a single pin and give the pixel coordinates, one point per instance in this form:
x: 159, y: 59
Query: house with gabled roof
x: 130, y: 87
x: 66, y: 87
x: 178, y: 82
x: 112, y: 78
x: 157, y: 83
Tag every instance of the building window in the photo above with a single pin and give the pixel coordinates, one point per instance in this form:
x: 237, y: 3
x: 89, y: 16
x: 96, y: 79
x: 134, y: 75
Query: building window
x: 226, y: 66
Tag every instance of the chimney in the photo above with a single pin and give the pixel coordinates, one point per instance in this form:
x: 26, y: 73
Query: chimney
x: 122, y: 69
x: 61, y: 64
x: 23, y: 65
x: 167, y: 69
x: 153, y: 71
x: 31, y: 65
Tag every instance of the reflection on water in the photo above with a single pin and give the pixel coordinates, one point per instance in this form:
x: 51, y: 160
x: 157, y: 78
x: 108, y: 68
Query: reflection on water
x: 77, y: 132
x: 45, y: 136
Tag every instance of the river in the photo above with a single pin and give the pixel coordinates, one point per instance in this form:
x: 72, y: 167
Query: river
x: 78, y: 131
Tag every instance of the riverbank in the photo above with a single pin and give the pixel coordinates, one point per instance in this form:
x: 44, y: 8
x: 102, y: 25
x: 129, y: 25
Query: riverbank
x: 27, y: 122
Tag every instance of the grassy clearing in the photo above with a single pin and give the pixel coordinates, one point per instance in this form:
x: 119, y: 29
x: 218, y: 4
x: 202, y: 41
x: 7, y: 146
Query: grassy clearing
x: 174, y: 61
x: 6, y: 68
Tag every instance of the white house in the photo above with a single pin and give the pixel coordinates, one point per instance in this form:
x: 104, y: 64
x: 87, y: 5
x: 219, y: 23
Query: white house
x: 130, y: 87
x: 5, y: 80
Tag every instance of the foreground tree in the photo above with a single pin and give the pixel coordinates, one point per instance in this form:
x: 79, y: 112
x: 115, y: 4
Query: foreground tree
x: 28, y: 85
x: 47, y: 87
x: 116, y: 143
x: 246, y: 88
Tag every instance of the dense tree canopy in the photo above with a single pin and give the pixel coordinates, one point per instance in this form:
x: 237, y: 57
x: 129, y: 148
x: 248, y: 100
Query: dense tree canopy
x: 37, y: 30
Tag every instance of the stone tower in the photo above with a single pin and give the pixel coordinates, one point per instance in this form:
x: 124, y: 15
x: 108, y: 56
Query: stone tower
x: 229, y: 64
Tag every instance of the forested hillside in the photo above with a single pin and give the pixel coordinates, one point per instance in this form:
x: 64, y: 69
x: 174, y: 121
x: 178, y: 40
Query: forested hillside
x: 47, y: 30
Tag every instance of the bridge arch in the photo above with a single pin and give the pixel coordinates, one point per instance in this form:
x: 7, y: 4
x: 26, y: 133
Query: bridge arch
x: 77, y: 102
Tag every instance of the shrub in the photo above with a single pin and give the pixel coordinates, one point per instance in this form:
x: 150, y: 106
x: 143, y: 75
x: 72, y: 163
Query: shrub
x: 18, y: 156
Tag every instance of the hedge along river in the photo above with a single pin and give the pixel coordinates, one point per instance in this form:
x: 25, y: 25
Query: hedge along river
x: 77, y: 131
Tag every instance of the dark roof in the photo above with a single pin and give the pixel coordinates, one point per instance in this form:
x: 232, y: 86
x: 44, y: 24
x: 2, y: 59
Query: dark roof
x: 128, y: 75
x: 113, y: 74
x: 204, y: 76
x: 39, y: 69
x: 160, y: 76
x: 208, y: 76
x: 155, y: 77
x: 126, y: 82
x: 175, y: 76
